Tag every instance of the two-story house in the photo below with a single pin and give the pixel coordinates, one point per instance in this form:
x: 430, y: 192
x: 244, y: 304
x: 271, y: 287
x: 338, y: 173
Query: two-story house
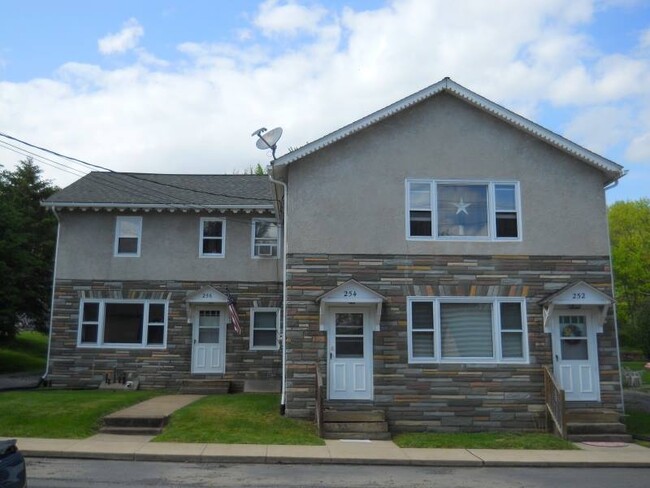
x: 441, y: 254
x: 144, y: 267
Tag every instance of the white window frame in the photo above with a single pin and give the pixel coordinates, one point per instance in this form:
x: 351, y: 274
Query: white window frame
x: 223, y: 237
x: 253, y: 311
x: 253, y: 240
x: 497, y: 357
x: 491, y: 210
x: 100, y: 344
x: 118, y: 221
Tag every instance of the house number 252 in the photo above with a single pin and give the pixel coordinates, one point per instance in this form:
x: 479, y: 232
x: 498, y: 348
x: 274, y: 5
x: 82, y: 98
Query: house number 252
x: 349, y: 293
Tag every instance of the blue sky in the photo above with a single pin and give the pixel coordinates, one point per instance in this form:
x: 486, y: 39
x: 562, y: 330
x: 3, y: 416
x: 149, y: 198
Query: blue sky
x: 178, y: 86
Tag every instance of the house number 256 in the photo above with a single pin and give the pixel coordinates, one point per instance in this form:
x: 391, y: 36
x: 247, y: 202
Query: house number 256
x: 349, y: 293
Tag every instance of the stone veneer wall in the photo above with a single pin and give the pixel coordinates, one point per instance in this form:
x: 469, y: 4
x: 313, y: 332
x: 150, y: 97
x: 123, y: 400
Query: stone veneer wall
x: 445, y: 397
x: 72, y: 366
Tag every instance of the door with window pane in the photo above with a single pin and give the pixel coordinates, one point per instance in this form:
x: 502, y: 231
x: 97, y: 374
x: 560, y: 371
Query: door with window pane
x: 208, y: 341
x: 349, y: 355
x: 575, y: 356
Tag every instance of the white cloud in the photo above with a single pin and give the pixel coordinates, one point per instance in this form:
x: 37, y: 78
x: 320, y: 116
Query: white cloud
x: 287, y: 18
x: 644, y: 39
x: 122, y: 41
x: 196, y: 114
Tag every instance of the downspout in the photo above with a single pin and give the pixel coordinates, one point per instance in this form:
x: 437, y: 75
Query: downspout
x: 611, y: 268
x: 56, y: 259
x: 283, y: 397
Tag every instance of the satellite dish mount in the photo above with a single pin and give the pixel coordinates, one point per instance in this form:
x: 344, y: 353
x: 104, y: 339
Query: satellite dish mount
x: 268, y: 140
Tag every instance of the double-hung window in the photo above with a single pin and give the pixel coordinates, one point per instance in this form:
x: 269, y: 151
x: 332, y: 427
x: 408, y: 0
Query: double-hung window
x: 467, y: 330
x: 462, y: 210
x: 128, y: 232
x: 124, y: 323
x: 265, y: 238
x: 265, y: 323
x: 212, y: 238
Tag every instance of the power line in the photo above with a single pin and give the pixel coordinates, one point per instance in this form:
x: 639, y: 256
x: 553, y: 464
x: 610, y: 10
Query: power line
x: 42, y: 159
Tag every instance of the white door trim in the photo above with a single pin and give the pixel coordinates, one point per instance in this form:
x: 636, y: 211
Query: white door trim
x: 219, y: 362
x: 350, y: 379
x: 580, y: 379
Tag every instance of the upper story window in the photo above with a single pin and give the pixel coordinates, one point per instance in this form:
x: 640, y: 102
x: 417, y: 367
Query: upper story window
x: 463, y: 210
x: 266, y: 238
x: 128, y: 232
x: 123, y: 323
x: 213, y: 238
x: 265, y: 323
x: 467, y: 330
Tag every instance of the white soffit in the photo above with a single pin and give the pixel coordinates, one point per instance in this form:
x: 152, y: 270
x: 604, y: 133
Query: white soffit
x: 612, y: 169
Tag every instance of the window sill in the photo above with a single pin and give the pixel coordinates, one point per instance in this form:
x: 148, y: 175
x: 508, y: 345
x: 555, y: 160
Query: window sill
x: 122, y: 346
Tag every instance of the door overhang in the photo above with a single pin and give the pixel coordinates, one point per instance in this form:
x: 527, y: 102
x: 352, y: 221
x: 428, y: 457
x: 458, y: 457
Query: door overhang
x: 577, y: 296
x: 205, y: 296
x: 351, y: 293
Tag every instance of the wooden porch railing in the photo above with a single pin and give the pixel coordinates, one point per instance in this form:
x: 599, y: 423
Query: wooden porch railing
x: 555, y: 406
x: 319, y: 400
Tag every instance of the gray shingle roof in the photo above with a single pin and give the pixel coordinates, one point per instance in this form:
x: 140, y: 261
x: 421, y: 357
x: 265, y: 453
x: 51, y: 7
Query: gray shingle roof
x: 147, y: 189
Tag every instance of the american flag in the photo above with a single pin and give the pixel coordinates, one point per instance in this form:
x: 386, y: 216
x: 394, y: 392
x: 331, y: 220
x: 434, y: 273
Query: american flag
x: 232, y: 312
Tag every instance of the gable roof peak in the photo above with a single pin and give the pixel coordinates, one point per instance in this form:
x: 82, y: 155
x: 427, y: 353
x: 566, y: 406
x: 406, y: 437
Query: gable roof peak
x: 612, y: 170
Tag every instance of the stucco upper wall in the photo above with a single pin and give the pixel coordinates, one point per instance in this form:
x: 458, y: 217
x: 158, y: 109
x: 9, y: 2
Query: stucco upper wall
x: 169, y: 250
x: 350, y: 196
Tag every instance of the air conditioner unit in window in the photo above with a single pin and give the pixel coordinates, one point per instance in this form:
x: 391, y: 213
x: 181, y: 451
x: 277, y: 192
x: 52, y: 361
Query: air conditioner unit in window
x: 265, y: 250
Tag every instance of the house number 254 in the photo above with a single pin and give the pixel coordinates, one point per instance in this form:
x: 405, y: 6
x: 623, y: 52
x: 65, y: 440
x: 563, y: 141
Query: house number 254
x: 579, y: 296
x: 349, y: 293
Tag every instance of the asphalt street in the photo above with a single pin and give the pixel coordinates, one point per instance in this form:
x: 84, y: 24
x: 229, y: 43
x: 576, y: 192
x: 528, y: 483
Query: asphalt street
x: 72, y: 473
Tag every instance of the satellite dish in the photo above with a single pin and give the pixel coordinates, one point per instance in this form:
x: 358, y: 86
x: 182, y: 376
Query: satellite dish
x: 268, y: 140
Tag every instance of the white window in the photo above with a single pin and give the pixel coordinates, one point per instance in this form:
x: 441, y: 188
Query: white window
x: 266, y: 238
x: 467, y: 330
x: 125, y: 323
x: 462, y: 210
x: 213, y: 238
x: 128, y: 232
x: 265, y: 323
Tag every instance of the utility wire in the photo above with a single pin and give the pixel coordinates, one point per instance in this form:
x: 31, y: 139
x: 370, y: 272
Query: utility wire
x: 42, y: 159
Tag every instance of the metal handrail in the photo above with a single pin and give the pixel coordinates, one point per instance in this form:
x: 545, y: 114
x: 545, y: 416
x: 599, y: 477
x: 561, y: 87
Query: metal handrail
x: 555, y: 403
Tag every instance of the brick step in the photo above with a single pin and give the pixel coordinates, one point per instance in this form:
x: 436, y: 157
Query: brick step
x: 588, y: 416
x: 131, y: 430
x: 595, y: 428
x: 205, y: 387
x: 359, y: 427
x: 600, y: 438
x: 354, y: 416
x: 372, y: 436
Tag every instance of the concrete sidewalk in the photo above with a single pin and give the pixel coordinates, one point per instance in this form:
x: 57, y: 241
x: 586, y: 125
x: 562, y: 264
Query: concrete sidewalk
x: 139, y: 448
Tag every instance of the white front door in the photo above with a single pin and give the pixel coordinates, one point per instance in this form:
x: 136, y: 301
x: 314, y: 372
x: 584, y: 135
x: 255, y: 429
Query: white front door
x: 575, y: 355
x: 349, y: 354
x: 208, y: 341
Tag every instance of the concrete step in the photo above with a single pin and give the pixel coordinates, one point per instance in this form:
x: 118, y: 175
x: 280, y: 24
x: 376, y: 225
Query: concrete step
x: 354, y: 416
x: 131, y: 430
x: 592, y: 415
x: 600, y: 438
x: 372, y: 436
x: 359, y: 427
x: 205, y: 387
x: 599, y: 428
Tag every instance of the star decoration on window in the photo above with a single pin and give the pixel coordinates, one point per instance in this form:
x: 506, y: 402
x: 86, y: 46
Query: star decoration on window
x: 461, y: 206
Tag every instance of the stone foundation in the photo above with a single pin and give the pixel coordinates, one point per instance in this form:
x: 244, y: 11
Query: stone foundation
x: 78, y: 367
x: 442, y: 397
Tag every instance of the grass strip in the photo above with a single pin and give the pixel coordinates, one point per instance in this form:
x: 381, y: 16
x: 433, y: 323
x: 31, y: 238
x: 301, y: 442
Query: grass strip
x: 637, y: 422
x: 65, y: 414
x: 238, y: 419
x: 483, y: 440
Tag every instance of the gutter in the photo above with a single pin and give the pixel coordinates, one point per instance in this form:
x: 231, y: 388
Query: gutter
x: 283, y: 398
x: 56, y: 259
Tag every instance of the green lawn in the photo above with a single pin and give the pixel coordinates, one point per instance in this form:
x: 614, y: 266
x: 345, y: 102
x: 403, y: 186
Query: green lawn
x: 637, y: 423
x: 238, y: 419
x: 26, y: 353
x: 66, y: 414
x: 483, y: 440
